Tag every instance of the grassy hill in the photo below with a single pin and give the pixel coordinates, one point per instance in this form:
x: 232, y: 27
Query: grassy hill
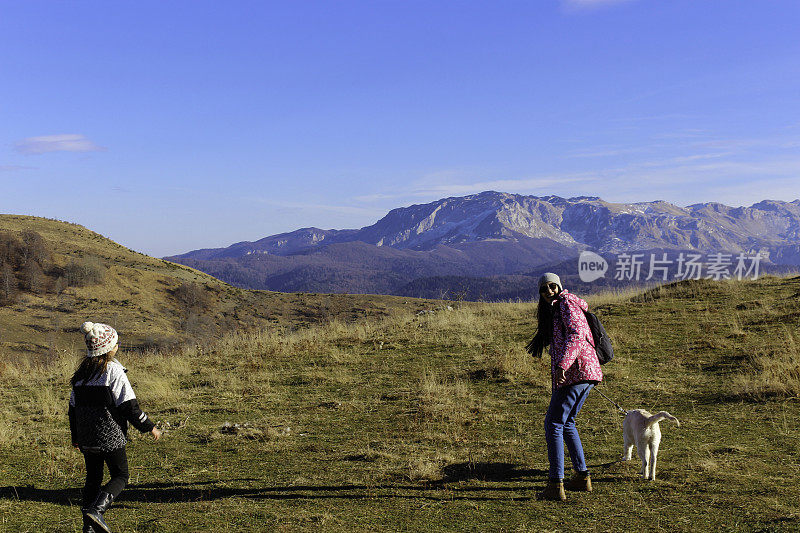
x: 434, y: 423
x: 82, y: 275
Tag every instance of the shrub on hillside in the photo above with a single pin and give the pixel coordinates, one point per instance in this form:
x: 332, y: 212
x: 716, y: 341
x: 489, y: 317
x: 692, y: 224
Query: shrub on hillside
x: 191, y: 296
x: 33, y: 278
x: 160, y: 343
x: 8, y: 284
x: 10, y: 249
x: 18, y: 251
x: 84, y: 272
x: 25, y: 260
x: 197, y: 326
x: 34, y: 248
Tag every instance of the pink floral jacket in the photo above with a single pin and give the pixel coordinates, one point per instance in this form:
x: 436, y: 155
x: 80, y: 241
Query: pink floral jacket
x: 572, y: 348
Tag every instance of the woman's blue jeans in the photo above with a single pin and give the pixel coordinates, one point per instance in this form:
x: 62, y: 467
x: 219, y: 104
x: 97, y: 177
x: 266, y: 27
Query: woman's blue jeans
x: 559, y: 428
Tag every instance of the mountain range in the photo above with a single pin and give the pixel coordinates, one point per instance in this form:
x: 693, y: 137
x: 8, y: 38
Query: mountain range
x: 494, y: 239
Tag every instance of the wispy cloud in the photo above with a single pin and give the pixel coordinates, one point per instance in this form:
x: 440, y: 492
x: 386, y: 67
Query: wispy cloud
x: 514, y: 185
x: 707, y: 177
x: 610, y: 152
x: 13, y: 168
x: 316, y: 207
x: 663, y: 117
x: 68, y: 142
x: 725, y: 176
x: 583, y: 5
x: 671, y: 162
x: 682, y: 169
x: 685, y: 134
x: 369, y: 198
x: 503, y: 185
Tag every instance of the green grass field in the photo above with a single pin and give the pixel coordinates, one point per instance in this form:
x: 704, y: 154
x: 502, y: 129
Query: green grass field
x: 434, y: 423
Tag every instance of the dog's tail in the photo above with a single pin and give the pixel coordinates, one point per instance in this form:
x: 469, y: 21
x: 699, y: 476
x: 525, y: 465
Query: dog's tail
x: 659, y: 416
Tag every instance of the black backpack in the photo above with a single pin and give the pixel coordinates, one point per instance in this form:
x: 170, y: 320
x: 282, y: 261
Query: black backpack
x: 602, y: 344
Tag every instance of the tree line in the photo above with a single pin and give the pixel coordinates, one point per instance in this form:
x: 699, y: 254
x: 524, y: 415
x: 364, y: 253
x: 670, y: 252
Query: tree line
x: 26, y: 265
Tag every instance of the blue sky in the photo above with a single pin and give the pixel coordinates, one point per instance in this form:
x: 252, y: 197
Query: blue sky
x: 171, y: 126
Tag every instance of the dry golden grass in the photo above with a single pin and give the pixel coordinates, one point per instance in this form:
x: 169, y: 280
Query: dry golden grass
x: 428, y: 469
x: 433, y: 422
x: 773, y: 370
x: 11, y: 430
x: 449, y: 400
x: 613, y: 296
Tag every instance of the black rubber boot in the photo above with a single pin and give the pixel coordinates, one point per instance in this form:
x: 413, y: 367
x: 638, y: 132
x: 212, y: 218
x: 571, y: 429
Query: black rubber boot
x: 87, y: 523
x: 95, y: 511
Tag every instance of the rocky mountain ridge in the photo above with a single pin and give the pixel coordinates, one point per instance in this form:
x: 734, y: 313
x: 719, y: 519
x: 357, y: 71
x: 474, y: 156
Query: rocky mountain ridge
x: 579, y: 223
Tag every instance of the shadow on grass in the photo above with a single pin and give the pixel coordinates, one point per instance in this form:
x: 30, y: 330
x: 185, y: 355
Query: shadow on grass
x: 162, y: 493
x: 440, y: 490
x: 717, y: 398
x: 487, y: 472
x: 209, y: 490
x: 600, y: 472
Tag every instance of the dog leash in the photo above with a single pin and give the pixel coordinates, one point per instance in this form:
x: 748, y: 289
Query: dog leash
x: 623, y: 411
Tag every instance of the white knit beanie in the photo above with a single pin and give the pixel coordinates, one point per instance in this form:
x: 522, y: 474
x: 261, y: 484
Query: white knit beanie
x: 549, y: 277
x: 100, y: 338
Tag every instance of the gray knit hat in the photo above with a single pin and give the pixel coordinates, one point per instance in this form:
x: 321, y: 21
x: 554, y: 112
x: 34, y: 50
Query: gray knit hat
x: 100, y: 338
x: 549, y: 277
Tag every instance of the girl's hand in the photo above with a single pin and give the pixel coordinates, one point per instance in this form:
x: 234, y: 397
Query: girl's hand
x: 561, y: 376
x: 156, y: 433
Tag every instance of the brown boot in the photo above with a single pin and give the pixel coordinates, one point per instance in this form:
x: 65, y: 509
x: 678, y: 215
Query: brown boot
x: 579, y: 482
x: 554, y: 491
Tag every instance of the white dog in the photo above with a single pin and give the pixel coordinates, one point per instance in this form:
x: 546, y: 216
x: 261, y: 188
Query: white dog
x: 641, y: 428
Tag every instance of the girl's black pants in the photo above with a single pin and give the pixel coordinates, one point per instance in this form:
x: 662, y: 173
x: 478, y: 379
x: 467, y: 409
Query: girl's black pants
x: 117, y: 462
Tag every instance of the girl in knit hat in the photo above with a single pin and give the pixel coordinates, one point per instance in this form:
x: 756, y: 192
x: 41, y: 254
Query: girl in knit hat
x: 575, y: 369
x: 100, y: 406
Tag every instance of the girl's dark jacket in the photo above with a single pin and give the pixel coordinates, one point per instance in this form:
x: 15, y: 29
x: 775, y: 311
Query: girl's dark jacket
x: 100, y: 409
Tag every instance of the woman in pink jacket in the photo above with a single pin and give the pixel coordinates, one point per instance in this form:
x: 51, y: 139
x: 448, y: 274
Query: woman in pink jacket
x: 575, y: 369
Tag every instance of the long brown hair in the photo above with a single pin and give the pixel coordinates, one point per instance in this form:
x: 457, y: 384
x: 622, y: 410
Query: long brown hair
x: 91, y: 367
x: 544, y: 328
